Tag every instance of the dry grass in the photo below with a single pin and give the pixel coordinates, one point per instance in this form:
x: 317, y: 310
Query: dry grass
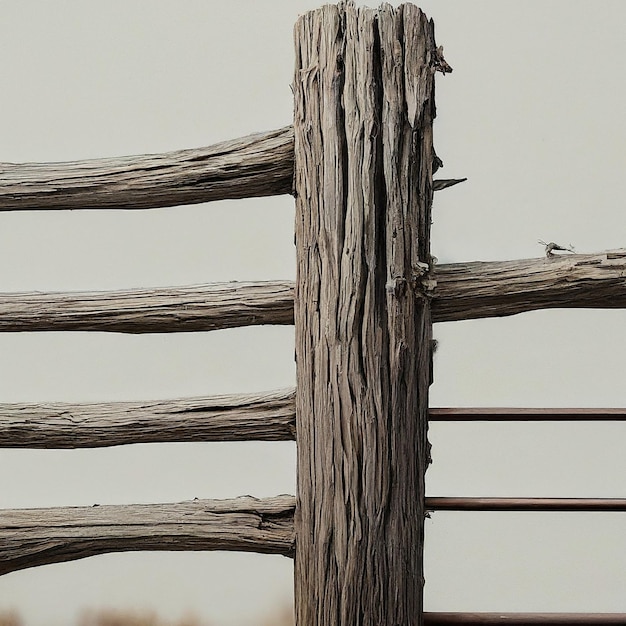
x: 10, y: 619
x: 110, y: 617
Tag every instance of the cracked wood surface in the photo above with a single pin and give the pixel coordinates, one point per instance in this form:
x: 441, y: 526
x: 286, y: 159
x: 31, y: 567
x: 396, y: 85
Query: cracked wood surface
x: 33, y: 537
x: 363, y: 90
x: 164, y: 310
x: 256, y: 165
x: 463, y: 291
x: 499, y: 288
x: 251, y: 417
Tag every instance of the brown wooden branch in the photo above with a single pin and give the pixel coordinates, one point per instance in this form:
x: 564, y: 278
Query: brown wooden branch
x: 463, y: 291
x: 524, y: 619
x: 259, y: 417
x: 32, y: 537
x: 495, y: 289
x: 180, y: 309
x: 256, y: 165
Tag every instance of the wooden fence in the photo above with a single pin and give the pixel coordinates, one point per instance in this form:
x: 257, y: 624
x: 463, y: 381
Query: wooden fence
x: 359, y: 160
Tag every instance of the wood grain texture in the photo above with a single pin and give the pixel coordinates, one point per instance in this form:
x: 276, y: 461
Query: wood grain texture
x: 257, y: 165
x: 495, y: 289
x: 269, y: 416
x: 460, y: 291
x: 251, y: 417
x: 33, y: 537
x: 363, y: 180
x: 164, y: 310
x: 524, y: 619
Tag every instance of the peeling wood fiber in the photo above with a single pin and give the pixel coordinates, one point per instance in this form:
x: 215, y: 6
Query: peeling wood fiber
x: 33, y: 537
x: 364, y: 106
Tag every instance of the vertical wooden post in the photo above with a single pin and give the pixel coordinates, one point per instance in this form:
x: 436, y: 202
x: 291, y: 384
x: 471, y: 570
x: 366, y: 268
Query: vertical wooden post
x: 364, y: 106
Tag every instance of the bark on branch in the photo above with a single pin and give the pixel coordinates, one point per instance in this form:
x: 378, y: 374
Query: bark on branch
x: 256, y: 165
x: 258, y: 417
x: 32, y: 537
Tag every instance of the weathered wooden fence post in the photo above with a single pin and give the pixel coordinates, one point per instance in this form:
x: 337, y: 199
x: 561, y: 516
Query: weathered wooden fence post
x: 364, y: 106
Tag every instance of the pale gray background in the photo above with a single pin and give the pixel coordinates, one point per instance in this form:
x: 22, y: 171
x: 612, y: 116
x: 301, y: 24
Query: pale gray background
x: 534, y: 116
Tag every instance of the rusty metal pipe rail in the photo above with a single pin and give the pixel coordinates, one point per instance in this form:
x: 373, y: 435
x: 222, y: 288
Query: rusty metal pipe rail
x: 523, y: 619
x: 526, y: 504
x: 498, y: 414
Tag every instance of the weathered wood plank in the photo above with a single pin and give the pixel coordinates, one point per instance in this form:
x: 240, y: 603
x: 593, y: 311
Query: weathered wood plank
x: 251, y: 417
x: 363, y: 179
x: 164, y: 310
x: 524, y: 619
x: 495, y: 289
x: 256, y: 165
x: 463, y: 291
x: 33, y: 537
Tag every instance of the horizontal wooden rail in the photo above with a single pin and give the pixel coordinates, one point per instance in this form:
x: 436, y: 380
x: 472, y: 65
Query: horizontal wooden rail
x: 268, y: 416
x: 256, y: 165
x: 33, y: 537
x: 183, y: 309
x: 250, y: 417
x: 495, y: 289
x: 524, y: 619
x: 493, y: 414
x: 525, y: 504
x: 463, y: 291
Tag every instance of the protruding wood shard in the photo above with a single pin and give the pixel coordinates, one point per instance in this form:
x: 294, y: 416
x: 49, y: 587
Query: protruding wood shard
x: 364, y: 106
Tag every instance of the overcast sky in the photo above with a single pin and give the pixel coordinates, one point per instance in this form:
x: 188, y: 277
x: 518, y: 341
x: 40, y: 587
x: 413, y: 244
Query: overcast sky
x: 533, y: 115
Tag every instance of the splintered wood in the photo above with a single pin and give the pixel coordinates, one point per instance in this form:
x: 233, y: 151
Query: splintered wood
x: 364, y: 107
